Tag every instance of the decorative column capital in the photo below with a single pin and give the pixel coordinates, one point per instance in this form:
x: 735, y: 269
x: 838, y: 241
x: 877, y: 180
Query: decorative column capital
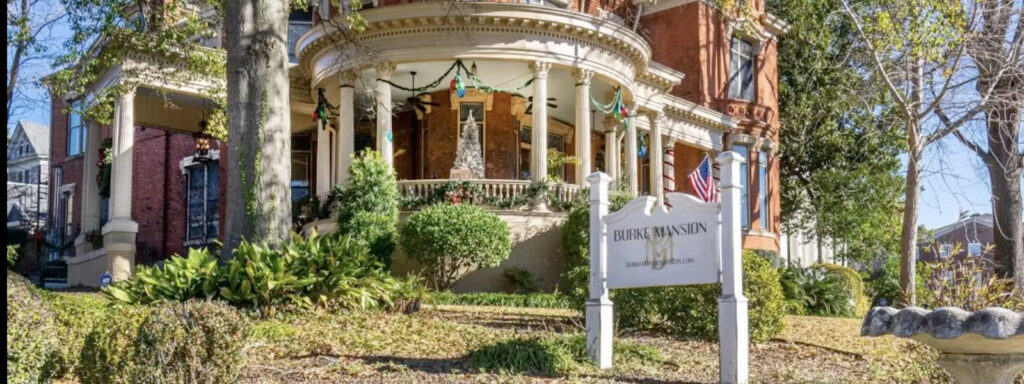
x: 656, y: 117
x: 540, y: 69
x: 348, y: 79
x: 582, y: 76
x: 385, y: 70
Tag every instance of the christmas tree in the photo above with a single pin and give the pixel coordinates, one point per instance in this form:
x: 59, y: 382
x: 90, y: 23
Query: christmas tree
x: 468, y: 154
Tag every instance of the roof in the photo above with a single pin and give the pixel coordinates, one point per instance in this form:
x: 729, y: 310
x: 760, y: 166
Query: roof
x: 983, y: 220
x: 37, y: 134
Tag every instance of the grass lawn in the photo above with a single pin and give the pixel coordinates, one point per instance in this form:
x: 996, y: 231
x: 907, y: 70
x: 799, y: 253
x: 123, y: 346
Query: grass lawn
x: 434, y: 345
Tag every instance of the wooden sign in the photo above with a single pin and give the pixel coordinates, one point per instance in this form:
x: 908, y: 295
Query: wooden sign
x: 649, y: 246
x: 646, y: 245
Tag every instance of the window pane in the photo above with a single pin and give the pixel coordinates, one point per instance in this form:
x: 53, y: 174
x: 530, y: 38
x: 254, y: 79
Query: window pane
x: 196, y: 203
x: 212, y: 187
x: 74, y: 143
x: 748, y: 78
x: 734, y: 70
x: 744, y: 152
x: 762, y: 181
x: 295, y: 30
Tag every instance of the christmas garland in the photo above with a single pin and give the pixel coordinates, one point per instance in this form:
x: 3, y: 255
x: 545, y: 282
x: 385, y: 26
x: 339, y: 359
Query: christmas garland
x: 457, y: 85
x: 322, y: 112
x: 615, y: 108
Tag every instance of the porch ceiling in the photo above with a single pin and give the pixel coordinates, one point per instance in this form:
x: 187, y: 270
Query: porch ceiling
x: 503, y: 74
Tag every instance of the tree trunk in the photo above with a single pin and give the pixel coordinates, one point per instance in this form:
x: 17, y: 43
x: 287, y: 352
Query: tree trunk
x: 259, y: 131
x: 1004, y: 170
x: 908, y: 238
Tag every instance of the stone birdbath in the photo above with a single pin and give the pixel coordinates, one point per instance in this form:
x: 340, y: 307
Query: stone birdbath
x: 983, y: 347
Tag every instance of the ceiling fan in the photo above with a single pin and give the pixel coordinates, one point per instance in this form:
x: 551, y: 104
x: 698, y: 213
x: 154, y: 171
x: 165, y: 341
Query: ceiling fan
x: 529, y: 103
x: 419, y: 102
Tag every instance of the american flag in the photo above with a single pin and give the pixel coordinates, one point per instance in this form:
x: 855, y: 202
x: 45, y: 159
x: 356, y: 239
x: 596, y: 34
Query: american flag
x: 703, y: 183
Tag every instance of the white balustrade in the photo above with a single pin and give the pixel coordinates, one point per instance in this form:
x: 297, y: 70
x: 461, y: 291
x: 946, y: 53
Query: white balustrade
x: 501, y: 189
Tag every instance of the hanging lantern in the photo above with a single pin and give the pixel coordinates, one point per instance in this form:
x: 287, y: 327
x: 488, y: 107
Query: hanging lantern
x: 202, y: 139
x: 203, y: 143
x: 472, y: 69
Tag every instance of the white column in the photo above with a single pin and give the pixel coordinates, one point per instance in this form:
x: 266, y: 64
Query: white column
x: 121, y: 172
x: 655, y: 150
x: 631, y: 155
x: 90, y: 190
x: 539, y: 147
x: 346, y: 137
x: 90, y: 218
x: 733, y: 333
x: 120, y: 232
x: 611, y: 153
x: 539, y: 140
x: 385, y: 138
x: 669, y: 170
x: 599, y: 306
x: 323, y: 157
x: 583, y: 123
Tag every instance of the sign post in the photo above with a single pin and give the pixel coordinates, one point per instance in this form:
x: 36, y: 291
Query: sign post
x: 645, y: 245
x: 599, y: 306
x: 733, y: 336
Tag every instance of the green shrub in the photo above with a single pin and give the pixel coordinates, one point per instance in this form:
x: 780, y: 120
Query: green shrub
x: 260, y: 277
x: 12, y: 255
x: 965, y: 283
x: 851, y: 281
x: 554, y: 356
x: 531, y: 300
x: 33, y: 350
x: 686, y: 311
x: 194, y: 341
x: 180, y: 279
x: 885, y: 283
x: 521, y: 280
x: 814, y: 291
x: 326, y: 271
x: 108, y: 355
x: 75, y: 314
x: 368, y: 206
x: 450, y: 239
x: 341, y: 271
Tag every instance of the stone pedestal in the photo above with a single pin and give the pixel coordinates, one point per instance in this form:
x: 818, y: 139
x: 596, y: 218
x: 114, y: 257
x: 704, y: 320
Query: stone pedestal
x: 982, y: 369
x: 119, y: 243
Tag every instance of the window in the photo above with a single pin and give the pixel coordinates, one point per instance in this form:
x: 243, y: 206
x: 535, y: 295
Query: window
x: 76, y: 130
x: 974, y: 249
x: 477, y: 111
x: 762, y: 192
x: 301, y: 159
x: 744, y: 152
x: 201, y: 205
x: 741, y: 70
x: 945, y: 251
x: 299, y: 22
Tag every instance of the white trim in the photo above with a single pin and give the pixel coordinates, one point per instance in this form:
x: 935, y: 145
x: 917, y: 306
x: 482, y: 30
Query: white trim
x: 189, y: 161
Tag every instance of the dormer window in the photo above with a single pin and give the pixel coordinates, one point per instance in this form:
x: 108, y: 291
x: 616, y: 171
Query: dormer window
x: 741, y: 70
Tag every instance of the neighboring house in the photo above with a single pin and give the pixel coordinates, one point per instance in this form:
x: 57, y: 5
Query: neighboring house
x: 28, y: 166
x: 803, y: 251
x: 694, y: 80
x: 972, y: 236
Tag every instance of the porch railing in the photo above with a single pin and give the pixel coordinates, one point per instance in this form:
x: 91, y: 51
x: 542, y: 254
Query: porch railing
x: 501, y: 189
